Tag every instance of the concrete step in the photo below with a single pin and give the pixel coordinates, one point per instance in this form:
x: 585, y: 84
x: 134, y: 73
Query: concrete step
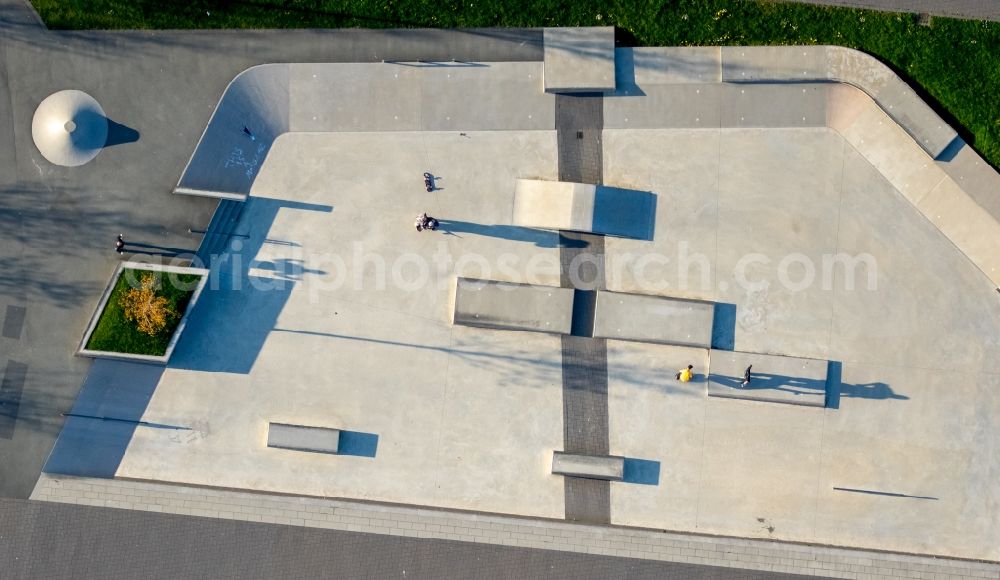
x: 220, y: 230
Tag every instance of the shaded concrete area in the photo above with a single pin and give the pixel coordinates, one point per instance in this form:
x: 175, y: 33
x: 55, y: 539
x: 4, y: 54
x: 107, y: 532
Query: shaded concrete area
x: 57, y: 225
x: 108, y: 410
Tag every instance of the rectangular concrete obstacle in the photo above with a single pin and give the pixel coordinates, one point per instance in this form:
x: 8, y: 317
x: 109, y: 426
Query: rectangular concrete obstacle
x: 584, y: 207
x: 301, y: 438
x: 579, y: 60
x: 511, y: 306
x: 659, y: 319
x: 774, y: 378
x: 606, y: 467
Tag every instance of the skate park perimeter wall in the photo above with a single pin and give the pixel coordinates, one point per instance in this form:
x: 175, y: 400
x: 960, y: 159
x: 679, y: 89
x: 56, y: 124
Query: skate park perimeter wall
x: 838, y: 88
x: 675, y: 87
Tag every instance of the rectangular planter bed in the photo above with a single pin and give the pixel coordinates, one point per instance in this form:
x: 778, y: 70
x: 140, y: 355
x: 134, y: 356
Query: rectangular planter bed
x: 110, y: 335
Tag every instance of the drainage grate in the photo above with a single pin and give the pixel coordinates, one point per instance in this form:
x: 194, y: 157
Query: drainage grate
x: 10, y: 397
x: 14, y: 322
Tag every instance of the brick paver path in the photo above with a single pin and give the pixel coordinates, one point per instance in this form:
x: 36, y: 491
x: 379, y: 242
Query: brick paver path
x: 413, y: 522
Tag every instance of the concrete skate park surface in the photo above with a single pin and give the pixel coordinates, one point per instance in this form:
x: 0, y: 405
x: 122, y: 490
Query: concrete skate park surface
x: 468, y: 418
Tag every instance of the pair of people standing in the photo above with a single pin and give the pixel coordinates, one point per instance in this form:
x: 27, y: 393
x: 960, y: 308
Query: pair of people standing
x: 425, y: 222
x: 685, y: 375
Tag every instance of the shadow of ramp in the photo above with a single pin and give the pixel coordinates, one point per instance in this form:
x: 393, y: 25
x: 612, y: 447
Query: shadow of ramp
x: 626, y: 213
x: 724, y: 326
x: 625, y: 83
x: 97, y: 432
x: 641, y: 471
x: 358, y: 444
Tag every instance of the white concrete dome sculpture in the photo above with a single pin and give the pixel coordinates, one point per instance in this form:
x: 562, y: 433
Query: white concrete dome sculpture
x: 69, y: 128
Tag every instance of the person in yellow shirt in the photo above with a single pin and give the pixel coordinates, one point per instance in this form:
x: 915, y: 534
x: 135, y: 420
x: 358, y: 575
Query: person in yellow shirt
x: 685, y: 375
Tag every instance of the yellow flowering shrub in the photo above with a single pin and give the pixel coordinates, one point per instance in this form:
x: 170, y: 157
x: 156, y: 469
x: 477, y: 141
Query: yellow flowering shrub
x: 146, y: 308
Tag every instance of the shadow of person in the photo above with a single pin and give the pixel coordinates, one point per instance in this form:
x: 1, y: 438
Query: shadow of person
x: 876, y: 390
x: 540, y: 238
x: 286, y: 268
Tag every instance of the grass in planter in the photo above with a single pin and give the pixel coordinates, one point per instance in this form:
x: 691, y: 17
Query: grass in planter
x: 953, y: 63
x: 116, y: 334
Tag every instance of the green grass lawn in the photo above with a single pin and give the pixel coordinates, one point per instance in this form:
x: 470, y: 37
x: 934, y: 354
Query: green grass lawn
x: 955, y: 64
x: 115, y: 334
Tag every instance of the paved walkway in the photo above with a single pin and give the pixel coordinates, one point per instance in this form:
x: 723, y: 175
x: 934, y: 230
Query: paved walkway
x: 968, y: 9
x: 49, y: 541
x: 415, y: 522
x: 579, y: 120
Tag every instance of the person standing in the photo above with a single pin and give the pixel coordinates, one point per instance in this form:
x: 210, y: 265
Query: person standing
x: 685, y: 375
x: 746, y: 377
x: 120, y: 244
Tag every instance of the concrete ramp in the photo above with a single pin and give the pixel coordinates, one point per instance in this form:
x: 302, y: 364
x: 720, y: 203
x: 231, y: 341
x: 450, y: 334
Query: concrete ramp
x: 510, y: 306
x: 252, y: 113
x: 583, y: 207
x: 604, y: 467
x: 773, y: 379
x: 657, y: 319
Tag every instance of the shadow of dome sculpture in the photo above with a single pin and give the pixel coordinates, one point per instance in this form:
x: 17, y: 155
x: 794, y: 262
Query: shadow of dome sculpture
x: 69, y: 128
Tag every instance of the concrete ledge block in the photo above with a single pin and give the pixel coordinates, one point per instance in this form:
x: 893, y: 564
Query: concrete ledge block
x: 774, y: 378
x: 301, y: 438
x: 579, y: 59
x: 606, y: 467
x: 658, y: 319
x: 511, y: 306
